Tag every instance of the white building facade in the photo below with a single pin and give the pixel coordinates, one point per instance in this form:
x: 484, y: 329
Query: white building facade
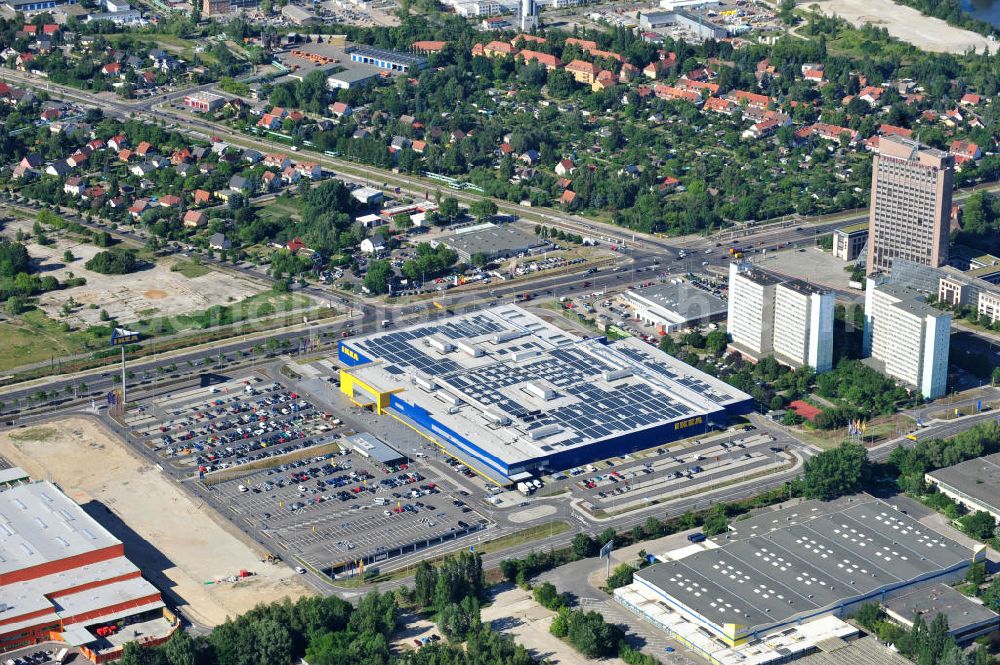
x: 908, y: 338
x: 770, y: 315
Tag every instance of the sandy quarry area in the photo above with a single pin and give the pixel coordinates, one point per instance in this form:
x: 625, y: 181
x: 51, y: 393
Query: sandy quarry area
x: 177, y: 542
x: 145, y: 294
x: 907, y: 24
x: 516, y: 613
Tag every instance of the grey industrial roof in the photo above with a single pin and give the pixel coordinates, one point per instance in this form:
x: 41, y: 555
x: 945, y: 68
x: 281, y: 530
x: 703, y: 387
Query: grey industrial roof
x: 12, y: 474
x: 522, y: 388
x: 929, y: 601
x: 864, y: 651
x: 977, y: 478
x: 384, y: 54
x: 492, y: 240
x: 352, y: 73
x: 812, y: 557
x: 684, y: 301
x: 29, y: 595
x: 39, y: 524
x: 375, y: 448
x: 105, y: 595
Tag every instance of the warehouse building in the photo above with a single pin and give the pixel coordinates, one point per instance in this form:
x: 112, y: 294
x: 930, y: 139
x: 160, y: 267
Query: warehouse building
x: 372, y: 447
x: 672, y: 307
x: 64, y: 577
x: 798, y: 570
x: 975, y: 484
x: 492, y: 241
x: 510, y: 394
x: 967, y: 618
x: 386, y: 60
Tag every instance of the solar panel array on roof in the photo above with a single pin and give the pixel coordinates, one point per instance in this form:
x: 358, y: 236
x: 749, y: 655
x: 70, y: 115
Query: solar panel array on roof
x: 529, y: 388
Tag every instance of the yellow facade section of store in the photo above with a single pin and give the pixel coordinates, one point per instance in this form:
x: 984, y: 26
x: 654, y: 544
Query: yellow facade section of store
x: 350, y: 385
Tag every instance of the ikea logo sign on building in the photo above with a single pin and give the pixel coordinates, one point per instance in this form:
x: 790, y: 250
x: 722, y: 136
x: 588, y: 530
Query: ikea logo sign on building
x: 349, y: 356
x: 690, y: 422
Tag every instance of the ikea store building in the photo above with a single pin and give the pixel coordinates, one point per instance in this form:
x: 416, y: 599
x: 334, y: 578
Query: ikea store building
x: 511, y: 395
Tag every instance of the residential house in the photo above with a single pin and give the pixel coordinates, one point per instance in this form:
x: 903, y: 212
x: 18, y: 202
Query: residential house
x: 495, y: 48
x: 202, y: 197
x: 871, y: 94
x: 118, y: 142
x: 138, y: 207
x: 530, y: 157
x: 277, y: 161
x: 374, y: 245
x: 58, y: 168
x: 269, y: 121
x: 252, y: 156
x: 565, y: 167
x: 112, y: 69
x: 582, y: 71
x: 169, y: 201
x: 341, y: 109
x: 74, y: 186
x: 418, y: 147
x: 239, y: 184
x: 143, y: 148
x: 290, y: 176
x: 964, y: 151
x: 194, y: 219
x: 142, y: 170
x: 269, y: 181
x: 310, y: 170
x: 970, y: 99
x: 219, y: 241
x: 550, y: 62
x: 567, y: 198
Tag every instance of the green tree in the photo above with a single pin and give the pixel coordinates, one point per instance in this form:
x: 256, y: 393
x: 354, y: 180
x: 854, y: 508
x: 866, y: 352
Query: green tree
x: 836, y: 472
x: 979, y: 524
x: 716, y: 342
x: 448, y: 209
x: 273, y: 642
x: 548, y: 597
x: 15, y: 305
x: 181, y: 649
x: 483, y: 209
x: 68, y: 256
x: 479, y: 260
x: 14, y: 258
x: 378, y: 276
x: 584, y: 546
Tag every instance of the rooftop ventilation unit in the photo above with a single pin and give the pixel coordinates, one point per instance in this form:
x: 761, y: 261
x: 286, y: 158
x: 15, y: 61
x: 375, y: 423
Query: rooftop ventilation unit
x: 507, y: 335
x: 521, y: 356
x: 470, y: 349
x: 425, y: 383
x: 544, y: 431
x: 614, y: 375
x: 496, y: 418
x: 441, y: 345
x: 540, y: 391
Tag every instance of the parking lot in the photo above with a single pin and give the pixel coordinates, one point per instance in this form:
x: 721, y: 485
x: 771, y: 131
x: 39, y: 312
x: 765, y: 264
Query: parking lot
x: 673, y: 471
x: 336, y: 509
x: 232, y: 424
x: 280, y: 465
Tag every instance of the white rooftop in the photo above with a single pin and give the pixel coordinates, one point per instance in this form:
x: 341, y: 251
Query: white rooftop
x: 40, y: 524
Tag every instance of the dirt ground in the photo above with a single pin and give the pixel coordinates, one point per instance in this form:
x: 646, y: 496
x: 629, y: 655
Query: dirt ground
x: 907, y: 24
x: 516, y: 613
x: 174, y: 539
x: 127, y: 298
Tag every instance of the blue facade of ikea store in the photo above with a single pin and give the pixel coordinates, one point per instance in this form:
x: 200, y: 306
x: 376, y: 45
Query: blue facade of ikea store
x: 477, y: 456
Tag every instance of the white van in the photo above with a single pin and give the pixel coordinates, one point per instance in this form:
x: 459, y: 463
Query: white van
x: 243, y: 488
x: 381, y: 501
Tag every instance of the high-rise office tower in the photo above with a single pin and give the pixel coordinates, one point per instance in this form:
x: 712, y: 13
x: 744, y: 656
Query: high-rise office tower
x: 910, y: 210
x: 787, y: 318
x: 529, y: 15
x: 907, y: 338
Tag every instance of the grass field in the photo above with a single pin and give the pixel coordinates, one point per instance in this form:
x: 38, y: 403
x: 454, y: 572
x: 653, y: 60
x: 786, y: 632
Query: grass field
x: 278, y: 208
x: 266, y: 304
x: 190, y: 269
x: 33, y: 337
